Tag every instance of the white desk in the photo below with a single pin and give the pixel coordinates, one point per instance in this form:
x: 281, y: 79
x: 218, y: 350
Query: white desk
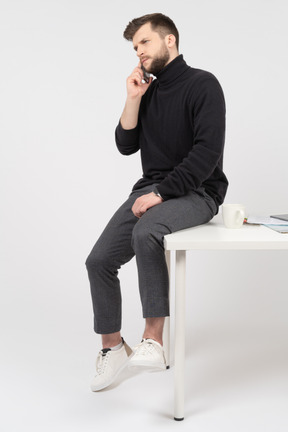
x: 212, y: 236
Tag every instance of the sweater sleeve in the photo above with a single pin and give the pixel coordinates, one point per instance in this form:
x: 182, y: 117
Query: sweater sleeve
x: 207, y: 111
x: 127, y: 140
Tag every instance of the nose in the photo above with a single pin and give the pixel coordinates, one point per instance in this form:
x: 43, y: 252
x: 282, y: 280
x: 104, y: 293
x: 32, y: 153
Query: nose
x: 140, y: 52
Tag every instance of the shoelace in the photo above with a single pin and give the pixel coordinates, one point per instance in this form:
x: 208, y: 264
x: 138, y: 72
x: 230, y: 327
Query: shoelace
x: 145, y: 348
x: 102, y: 361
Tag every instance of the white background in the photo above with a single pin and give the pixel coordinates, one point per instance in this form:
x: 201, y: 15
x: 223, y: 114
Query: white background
x: 62, y: 85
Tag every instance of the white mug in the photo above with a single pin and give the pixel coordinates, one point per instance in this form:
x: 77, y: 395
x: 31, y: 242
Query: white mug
x: 233, y: 215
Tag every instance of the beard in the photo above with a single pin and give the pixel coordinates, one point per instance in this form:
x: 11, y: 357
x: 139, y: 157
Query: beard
x: 159, y: 62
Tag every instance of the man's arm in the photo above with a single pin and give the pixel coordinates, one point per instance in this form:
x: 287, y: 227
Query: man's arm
x: 128, y: 124
x: 126, y: 133
x: 129, y: 120
x: 135, y: 90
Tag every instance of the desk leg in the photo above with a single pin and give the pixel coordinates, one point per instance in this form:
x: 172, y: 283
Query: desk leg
x: 179, y: 388
x: 166, y: 332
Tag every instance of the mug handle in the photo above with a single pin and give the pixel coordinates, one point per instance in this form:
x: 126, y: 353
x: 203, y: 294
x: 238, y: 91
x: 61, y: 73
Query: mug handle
x: 241, y: 216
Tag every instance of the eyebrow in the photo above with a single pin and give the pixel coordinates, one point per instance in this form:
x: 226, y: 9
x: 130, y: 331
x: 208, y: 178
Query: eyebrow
x: 142, y: 41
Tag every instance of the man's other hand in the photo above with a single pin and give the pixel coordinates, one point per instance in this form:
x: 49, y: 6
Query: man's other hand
x: 144, y: 202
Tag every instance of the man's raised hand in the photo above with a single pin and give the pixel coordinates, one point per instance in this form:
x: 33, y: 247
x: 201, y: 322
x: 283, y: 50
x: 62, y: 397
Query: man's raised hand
x: 135, y: 86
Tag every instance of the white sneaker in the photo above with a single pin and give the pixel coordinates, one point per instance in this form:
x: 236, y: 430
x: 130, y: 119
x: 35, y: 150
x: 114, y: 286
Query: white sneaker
x: 109, y: 364
x: 148, y: 353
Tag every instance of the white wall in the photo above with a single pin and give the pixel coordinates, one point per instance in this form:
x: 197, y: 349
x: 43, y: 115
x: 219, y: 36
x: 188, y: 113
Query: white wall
x: 62, y: 84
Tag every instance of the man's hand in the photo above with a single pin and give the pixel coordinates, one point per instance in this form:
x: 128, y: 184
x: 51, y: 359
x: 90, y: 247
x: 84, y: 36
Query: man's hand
x: 143, y: 203
x: 135, y: 86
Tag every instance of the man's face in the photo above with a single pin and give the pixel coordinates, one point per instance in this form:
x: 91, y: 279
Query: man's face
x: 151, y: 49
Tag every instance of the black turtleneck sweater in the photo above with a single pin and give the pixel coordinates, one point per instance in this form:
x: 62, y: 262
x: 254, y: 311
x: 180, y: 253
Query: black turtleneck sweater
x: 180, y: 133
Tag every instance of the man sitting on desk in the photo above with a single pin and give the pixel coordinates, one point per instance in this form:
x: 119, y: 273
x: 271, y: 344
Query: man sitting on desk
x: 177, y: 121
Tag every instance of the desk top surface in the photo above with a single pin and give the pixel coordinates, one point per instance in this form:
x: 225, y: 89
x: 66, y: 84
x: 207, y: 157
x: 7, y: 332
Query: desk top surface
x: 215, y: 236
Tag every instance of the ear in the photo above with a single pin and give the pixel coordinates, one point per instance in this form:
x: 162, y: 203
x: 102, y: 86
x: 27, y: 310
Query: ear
x: 170, y: 40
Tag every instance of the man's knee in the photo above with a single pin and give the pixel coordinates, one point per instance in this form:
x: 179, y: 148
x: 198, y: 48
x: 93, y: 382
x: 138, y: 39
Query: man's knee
x: 96, y: 259
x: 147, y: 235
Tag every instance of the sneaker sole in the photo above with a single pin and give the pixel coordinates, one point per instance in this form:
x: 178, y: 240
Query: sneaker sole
x: 146, y: 364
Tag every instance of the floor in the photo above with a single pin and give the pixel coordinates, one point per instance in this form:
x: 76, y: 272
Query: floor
x: 236, y: 381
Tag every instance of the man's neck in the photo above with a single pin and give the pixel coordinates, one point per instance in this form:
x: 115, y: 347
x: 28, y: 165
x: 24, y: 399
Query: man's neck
x: 172, y: 57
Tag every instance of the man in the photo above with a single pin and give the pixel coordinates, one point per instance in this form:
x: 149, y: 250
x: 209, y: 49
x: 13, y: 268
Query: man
x: 177, y: 121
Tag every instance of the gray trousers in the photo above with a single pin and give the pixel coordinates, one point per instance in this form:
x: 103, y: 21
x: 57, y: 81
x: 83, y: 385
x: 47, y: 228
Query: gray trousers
x: 126, y: 236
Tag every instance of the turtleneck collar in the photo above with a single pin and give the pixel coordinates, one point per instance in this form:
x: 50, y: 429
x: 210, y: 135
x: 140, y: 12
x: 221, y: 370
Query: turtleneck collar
x: 172, y: 71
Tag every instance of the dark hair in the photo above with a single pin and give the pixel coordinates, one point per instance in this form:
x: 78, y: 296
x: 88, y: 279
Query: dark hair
x: 160, y: 23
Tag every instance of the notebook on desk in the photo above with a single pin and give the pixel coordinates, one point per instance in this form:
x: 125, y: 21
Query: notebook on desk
x: 281, y: 217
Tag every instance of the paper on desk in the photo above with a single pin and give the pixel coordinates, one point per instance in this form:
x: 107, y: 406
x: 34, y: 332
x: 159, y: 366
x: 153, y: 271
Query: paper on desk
x: 283, y: 229
x: 260, y: 220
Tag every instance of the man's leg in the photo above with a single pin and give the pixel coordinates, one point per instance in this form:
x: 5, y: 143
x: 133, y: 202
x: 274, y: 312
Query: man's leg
x: 111, y: 251
x: 111, y: 339
x: 147, y: 241
x: 154, y: 329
